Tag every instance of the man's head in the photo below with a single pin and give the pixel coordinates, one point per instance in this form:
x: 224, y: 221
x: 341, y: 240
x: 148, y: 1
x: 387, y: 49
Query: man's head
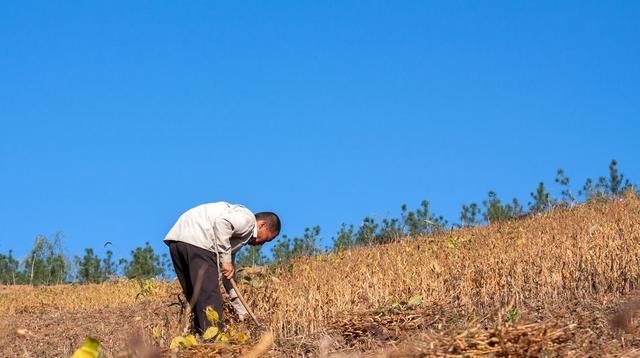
x: 268, y: 228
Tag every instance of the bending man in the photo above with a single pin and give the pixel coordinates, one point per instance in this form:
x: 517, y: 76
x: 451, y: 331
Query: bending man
x: 203, y: 243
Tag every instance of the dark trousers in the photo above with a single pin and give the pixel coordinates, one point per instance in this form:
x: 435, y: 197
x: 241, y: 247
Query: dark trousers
x: 197, y: 267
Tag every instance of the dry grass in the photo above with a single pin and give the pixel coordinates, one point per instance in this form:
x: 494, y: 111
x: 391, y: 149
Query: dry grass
x: 78, y: 298
x: 585, y: 253
x: 543, y: 285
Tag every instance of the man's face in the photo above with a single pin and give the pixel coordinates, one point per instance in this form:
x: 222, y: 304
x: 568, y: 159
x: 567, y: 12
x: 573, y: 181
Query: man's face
x: 264, y: 234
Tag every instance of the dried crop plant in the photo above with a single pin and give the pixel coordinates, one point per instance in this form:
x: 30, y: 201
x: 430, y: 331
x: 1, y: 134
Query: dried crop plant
x: 580, y: 253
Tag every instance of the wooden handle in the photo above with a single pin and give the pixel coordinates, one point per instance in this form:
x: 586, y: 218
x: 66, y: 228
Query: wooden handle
x: 244, y: 303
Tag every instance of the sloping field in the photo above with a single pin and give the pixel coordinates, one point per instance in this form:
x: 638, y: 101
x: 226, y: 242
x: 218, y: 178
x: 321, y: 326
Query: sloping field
x: 560, y: 284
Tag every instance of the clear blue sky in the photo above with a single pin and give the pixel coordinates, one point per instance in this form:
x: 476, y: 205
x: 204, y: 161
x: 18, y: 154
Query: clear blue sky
x: 117, y: 116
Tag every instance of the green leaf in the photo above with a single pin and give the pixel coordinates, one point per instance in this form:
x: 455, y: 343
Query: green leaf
x: 251, y: 282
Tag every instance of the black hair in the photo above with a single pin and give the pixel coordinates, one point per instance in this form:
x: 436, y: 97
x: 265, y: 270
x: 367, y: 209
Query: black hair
x: 272, y: 220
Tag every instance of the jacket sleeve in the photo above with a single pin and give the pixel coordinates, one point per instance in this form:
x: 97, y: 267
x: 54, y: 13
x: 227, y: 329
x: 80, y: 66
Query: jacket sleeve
x: 224, y: 227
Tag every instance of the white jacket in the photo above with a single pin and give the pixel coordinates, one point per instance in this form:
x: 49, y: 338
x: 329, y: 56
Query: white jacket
x: 218, y: 227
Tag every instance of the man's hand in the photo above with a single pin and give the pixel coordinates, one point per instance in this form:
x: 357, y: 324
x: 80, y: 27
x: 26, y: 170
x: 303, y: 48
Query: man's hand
x: 227, y: 270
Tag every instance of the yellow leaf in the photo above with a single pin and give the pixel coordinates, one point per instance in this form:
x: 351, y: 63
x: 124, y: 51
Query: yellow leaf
x: 156, y: 332
x: 176, y: 342
x: 90, y: 349
x: 210, y: 333
x: 415, y: 300
x: 211, y: 314
x: 222, y: 337
x: 190, y: 340
x: 231, y: 330
x: 242, y: 338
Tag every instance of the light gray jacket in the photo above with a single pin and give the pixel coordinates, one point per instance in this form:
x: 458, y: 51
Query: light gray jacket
x: 218, y: 227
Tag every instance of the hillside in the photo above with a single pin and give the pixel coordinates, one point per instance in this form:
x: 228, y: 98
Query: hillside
x: 562, y: 283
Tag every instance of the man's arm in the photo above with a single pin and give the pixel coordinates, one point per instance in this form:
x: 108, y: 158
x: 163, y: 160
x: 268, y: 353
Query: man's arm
x: 225, y: 281
x: 224, y: 227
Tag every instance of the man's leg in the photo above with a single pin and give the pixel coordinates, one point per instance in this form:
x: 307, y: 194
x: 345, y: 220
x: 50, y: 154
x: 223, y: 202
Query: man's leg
x: 178, y: 253
x: 203, y: 272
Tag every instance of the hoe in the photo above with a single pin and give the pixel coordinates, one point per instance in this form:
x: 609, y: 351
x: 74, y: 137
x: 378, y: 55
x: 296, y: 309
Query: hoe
x: 266, y: 337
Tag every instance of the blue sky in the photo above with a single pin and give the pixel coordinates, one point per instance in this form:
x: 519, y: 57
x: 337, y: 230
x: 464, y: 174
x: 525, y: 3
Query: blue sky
x: 118, y: 116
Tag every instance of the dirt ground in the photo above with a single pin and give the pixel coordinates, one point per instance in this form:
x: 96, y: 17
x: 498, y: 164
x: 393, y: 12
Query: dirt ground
x: 33, y: 325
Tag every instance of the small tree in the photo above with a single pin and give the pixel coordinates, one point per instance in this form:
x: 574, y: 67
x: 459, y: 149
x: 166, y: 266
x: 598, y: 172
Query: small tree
x: 617, y: 183
x: 282, y: 251
x: 90, y: 269
x: 563, y: 180
x: 496, y: 211
x: 421, y: 222
x: 46, y: 264
x: 345, y: 238
x: 145, y: 263
x: 307, y: 245
x: 250, y: 256
x: 515, y: 209
x: 614, y: 185
x: 541, y: 200
x: 589, y: 191
x: 469, y: 214
x: 366, y: 234
x: 8, y: 269
x: 108, y: 265
x: 287, y: 248
x: 390, y: 231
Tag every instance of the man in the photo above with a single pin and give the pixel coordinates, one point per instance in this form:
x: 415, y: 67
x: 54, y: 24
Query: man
x: 203, y: 243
